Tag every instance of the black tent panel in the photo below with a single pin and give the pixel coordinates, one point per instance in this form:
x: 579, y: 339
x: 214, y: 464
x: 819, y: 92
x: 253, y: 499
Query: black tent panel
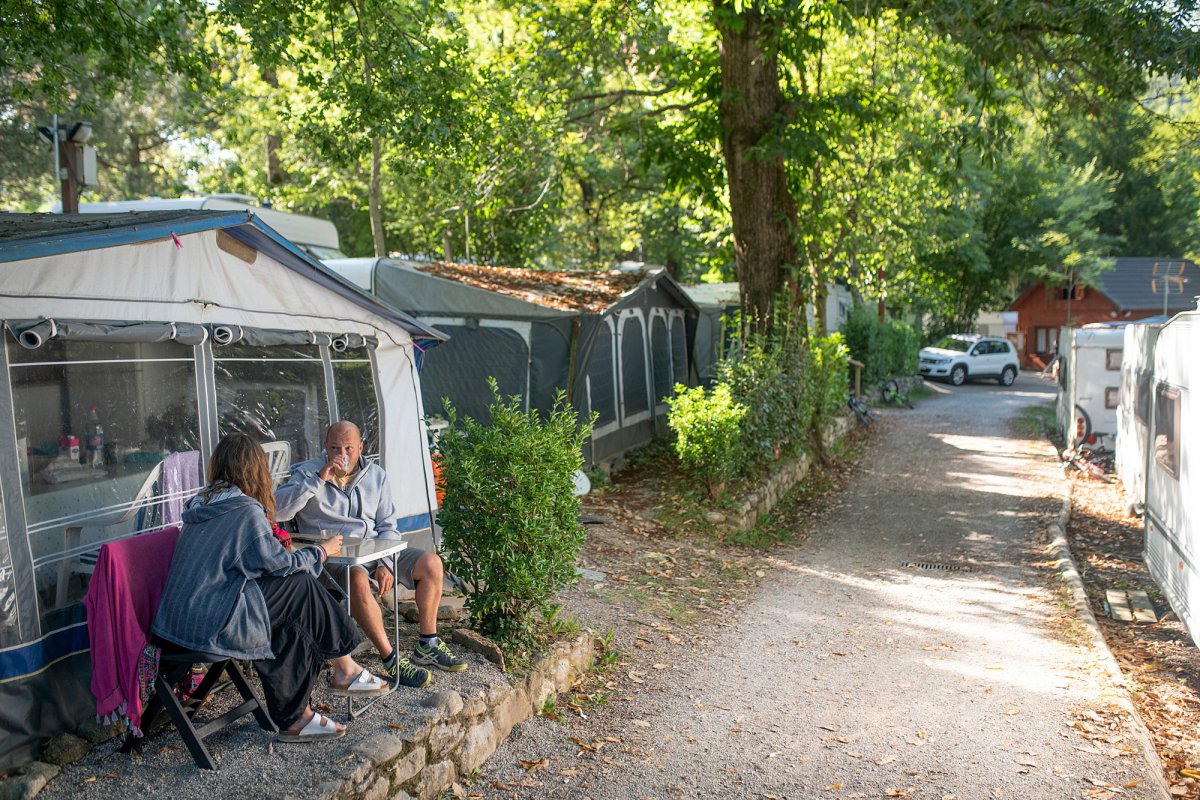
x: 602, y: 389
x: 660, y: 357
x: 679, y: 349
x: 550, y: 361
x: 634, y: 389
x: 459, y: 369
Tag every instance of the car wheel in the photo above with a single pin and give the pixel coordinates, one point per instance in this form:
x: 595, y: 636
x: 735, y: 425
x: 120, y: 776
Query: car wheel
x: 958, y: 375
x: 1008, y: 376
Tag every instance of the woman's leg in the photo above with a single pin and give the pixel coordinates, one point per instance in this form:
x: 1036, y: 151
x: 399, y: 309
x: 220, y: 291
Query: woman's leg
x: 308, y: 627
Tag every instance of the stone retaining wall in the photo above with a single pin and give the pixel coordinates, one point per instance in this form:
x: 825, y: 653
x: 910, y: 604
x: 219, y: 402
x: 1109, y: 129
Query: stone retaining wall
x: 778, y: 483
x: 458, y: 738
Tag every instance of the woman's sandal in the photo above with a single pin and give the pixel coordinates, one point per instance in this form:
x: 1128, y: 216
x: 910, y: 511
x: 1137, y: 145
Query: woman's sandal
x: 318, y: 729
x: 365, y: 685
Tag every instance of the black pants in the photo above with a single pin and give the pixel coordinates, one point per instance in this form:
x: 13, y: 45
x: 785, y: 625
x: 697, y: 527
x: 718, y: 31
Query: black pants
x: 308, y: 627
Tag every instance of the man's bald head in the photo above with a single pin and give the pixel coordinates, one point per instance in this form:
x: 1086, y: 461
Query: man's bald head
x: 342, y: 428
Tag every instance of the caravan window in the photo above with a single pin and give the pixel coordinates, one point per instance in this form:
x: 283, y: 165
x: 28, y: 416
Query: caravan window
x: 1166, y: 429
x: 93, y: 419
x: 1112, y: 359
x: 1141, y: 399
x: 356, y: 399
x: 273, y: 394
x: 1112, y: 397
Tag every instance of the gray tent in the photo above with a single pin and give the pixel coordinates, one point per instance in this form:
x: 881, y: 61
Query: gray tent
x: 616, y: 341
x: 717, y: 303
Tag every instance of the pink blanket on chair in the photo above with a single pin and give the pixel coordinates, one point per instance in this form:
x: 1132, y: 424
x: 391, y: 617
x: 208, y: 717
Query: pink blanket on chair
x: 121, y: 601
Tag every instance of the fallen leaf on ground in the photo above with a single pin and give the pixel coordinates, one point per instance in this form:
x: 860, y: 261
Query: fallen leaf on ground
x: 833, y: 787
x: 535, y: 764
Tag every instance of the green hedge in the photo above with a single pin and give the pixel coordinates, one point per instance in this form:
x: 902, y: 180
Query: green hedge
x: 885, y: 348
x: 776, y: 391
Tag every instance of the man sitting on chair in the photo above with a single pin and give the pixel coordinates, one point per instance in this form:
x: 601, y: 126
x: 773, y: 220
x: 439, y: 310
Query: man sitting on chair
x: 338, y: 492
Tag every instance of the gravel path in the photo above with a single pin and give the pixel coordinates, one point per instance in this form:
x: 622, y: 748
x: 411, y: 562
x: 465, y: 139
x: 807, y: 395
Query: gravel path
x: 852, y: 675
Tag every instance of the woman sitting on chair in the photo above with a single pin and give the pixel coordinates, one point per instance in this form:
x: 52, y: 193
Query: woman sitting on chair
x: 234, y: 591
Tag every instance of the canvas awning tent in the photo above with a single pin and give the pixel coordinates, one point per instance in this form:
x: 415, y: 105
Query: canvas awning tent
x: 616, y: 341
x: 166, y: 330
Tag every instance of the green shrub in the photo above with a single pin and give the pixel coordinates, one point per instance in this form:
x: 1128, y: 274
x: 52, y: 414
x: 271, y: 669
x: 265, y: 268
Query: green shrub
x: 768, y: 376
x: 509, y: 516
x: 885, y: 348
x: 708, y: 433
x: 828, y: 374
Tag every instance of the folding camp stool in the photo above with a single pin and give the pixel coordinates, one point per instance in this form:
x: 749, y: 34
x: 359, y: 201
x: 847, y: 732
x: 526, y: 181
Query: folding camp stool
x: 175, y: 664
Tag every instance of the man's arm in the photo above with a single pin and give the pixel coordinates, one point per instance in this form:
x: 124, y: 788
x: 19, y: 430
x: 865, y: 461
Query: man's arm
x: 385, y: 511
x: 291, y: 497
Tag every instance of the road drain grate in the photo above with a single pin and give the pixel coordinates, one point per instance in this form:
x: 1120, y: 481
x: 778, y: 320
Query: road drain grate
x: 938, y: 567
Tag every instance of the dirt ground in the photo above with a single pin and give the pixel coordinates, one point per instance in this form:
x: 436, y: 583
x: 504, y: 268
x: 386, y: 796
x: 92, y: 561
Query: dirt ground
x: 1159, y: 661
x: 669, y: 585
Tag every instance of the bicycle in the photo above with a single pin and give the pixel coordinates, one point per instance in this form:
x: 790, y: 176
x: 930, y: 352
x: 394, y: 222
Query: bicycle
x: 1093, y: 458
x: 861, y: 410
x: 889, y: 390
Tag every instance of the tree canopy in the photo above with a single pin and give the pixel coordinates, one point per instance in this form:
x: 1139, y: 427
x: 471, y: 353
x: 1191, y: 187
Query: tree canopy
x: 931, y: 156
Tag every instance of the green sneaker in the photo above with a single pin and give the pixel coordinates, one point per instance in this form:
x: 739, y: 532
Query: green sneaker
x: 439, y: 657
x: 409, y: 675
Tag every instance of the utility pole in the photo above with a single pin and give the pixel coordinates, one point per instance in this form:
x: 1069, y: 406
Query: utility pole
x: 74, y: 160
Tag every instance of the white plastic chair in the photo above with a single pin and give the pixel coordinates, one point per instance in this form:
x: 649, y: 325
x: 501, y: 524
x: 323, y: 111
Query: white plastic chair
x: 279, y: 458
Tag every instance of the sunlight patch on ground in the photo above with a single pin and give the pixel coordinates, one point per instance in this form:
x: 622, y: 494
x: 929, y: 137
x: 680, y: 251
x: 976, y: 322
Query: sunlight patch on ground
x: 973, y: 627
x: 1013, y: 486
x: 1000, y: 445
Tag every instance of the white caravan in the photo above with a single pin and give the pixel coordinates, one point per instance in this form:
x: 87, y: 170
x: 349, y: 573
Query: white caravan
x: 1089, y: 379
x: 1172, y: 477
x: 315, y: 236
x: 1133, y: 414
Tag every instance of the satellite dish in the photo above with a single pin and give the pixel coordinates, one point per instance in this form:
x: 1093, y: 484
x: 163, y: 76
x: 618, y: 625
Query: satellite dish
x: 582, y: 484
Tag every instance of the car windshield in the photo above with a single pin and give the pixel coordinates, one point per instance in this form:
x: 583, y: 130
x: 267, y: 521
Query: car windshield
x: 950, y: 343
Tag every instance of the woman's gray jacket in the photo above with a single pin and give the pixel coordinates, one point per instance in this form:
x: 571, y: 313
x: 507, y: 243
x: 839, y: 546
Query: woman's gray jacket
x: 212, y: 602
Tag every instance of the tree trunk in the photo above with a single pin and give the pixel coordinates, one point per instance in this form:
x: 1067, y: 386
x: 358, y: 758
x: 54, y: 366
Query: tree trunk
x: 275, y: 172
x: 762, y: 208
x: 375, y: 197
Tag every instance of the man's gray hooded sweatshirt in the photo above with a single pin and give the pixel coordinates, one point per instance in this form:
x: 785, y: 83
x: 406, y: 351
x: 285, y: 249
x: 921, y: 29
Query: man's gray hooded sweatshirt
x: 212, y: 602
x: 364, y: 509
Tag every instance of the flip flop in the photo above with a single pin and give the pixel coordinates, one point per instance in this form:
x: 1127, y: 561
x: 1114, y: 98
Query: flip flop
x: 365, y: 685
x: 318, y: 729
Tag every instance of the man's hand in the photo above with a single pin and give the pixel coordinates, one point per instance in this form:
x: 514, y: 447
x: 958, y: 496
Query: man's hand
x: 384, y: 577
x: 333, y: 468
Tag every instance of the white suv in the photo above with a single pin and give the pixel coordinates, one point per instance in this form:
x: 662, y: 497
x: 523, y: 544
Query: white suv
x: 961, y: 357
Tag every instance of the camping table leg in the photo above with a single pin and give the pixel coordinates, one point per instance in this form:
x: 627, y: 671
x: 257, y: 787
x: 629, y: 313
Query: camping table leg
x: 350, y: 710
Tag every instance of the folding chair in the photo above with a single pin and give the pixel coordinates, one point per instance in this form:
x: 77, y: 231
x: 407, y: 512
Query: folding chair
x: 125, y: 589
x: 175, y: 665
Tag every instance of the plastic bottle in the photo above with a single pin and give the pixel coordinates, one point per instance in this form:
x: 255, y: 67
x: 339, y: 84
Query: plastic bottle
x: 94, y: 439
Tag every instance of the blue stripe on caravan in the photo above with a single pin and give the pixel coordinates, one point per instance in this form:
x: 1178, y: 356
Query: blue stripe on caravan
x: 418, y: 522
x: 29, y: 659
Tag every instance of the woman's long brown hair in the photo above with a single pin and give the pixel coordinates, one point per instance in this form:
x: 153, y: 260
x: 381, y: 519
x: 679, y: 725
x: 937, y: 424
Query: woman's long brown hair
x: 240, y: 461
